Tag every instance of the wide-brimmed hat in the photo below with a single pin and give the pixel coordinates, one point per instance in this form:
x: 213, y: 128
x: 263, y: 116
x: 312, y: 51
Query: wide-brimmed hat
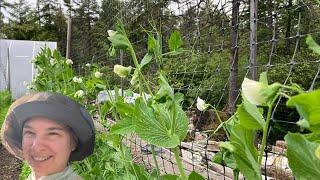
x: 56, y: 107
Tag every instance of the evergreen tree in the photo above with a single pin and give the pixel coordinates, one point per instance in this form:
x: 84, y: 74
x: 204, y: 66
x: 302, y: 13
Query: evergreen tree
x: 22, y: 24
x: 85, y: 17
x: 3, y: 7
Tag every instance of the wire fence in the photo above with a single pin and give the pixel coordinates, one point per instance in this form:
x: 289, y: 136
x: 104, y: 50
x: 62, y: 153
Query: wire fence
x: 207, y: 27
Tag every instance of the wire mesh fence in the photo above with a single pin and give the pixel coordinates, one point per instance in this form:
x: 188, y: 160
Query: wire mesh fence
x: 218, y: 32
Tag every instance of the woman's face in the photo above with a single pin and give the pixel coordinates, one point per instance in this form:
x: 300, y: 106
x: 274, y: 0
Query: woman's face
x: 46, y: 146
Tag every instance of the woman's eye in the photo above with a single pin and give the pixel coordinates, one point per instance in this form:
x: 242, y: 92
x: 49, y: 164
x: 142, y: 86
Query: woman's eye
x: 28, y: 133
x: 53, y: 134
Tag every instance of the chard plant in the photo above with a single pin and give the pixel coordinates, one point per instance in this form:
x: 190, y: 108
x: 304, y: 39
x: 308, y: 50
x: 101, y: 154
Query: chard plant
x: 254, y: 114
x: 159, y: 119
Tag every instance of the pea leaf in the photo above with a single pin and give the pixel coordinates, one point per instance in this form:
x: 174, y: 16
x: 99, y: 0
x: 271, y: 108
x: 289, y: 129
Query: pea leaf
x: 146, y: 60
x: 153, y: 123
x: 224, y: 157
x: 169, y: 177
x: 175, y: 41
x: 139, y: 171
x: 263, y: 78
x: 151, y: 43
x: 119, y: 41
x: 195, y: 176
x: 302, y: 159
x: 165, y: 89
x: 123, y: 127
x: 250, y: 116
x: 312, y: 44
x: 308, y: 106
x: 244, y: 151
x: 270, y: 92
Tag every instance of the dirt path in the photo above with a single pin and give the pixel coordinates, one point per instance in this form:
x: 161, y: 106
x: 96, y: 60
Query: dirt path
x: 10, y: 166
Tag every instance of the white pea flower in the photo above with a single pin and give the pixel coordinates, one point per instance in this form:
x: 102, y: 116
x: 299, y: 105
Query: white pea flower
x: 52, y: 61
x: 79, y: 94
x: 201, y: 104
x: 88, y: 65
x: 121, y: 70
x: 98, y: 74
x: 77, y: 80
x: 251, y: 91
x: 69, y: 61
x: 111, y: 33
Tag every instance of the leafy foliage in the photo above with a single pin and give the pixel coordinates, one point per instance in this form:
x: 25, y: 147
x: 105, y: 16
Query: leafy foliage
x: 302, y: 157
x: 5, y: 102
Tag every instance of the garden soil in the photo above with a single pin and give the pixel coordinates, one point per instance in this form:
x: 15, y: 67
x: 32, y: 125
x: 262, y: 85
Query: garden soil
x: 10, y: 166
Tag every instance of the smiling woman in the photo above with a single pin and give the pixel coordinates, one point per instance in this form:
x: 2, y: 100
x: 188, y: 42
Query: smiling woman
x: 48, y: 131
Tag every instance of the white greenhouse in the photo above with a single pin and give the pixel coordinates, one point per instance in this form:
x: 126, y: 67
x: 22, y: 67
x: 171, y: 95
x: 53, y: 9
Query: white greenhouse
x: 16, y: 69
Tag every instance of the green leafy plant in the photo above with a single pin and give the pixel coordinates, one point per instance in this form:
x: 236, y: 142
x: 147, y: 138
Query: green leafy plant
x: 159, y: 119
x: 5, y: 102
x: 303, y: 150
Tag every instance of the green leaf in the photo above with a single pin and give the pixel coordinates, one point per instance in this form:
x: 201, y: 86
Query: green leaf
x: 123, y: 127
x: 263, y: 78
x: 225, y: 157
x: 165, y: 89
x: 245, y: 153
x: 270, y: 92
x: 146, y: 60
x: 308, y: 106
x: 312, y: 44
x: 195, y: 176
x: 169, y: 177
x: 101, y: 86
x: 139, y: 172
x: 154, y: 124
x: 119, y: 41
x: 114, y: 140
x: 104, y: 109
x: 313, y: 137
x: 302, y: 158
x: 124, y: 109
x: 175, y: 41
x: 250, y: 116
x: 151, y: 43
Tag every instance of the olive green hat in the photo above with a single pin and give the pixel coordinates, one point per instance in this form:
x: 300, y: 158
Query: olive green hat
x: 53, y: 106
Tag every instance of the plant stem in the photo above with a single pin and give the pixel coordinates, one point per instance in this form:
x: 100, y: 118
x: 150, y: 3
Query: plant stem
x: 293, y: 88
x: 123, y: 156
x: 235, y: 174
x: 173, y: 117
x: 155, y: 161
x: 265, y: 130
x: 136, y: 63
x: 179, y: 163
x: 223, y: 126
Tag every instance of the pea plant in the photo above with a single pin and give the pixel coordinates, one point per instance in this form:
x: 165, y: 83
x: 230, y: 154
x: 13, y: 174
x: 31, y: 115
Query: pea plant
x: 254, y: 114
x: 158, y: 119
